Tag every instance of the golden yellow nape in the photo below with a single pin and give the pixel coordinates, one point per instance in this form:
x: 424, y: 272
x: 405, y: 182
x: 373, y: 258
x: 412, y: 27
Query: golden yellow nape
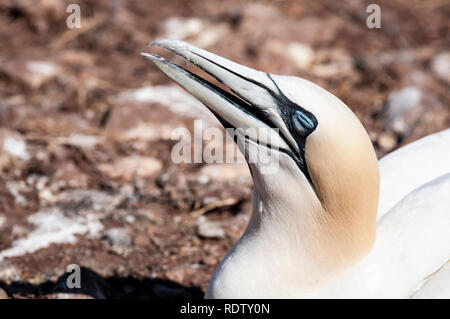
x: 344, y: 171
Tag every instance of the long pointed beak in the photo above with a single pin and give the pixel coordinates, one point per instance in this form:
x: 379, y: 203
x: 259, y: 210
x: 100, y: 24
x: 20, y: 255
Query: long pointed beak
x: 255, y: 105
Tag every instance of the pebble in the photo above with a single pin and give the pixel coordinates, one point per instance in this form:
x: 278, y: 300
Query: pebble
x: 178, y: 274
x: 18, y: 231
x: 204, y: 179
x: 209, y: 200
x: 130, y: 219
x: 402, y: 108
x: 226, y: 172
x: 33, y: 73
x: 387, y: 141
x: 13, y: 144
x: 118, y: 237
x: 210, y: 260
x: 87, y: 198
x: 142, y: 241
x: 440, y: 65
x: 132, y: 166
x: 209, y: 229
x: 2, y: 221
x: 333, y: 64
x: 181, y: 28
x: 80, y: 140
x: 71, y: 296
x: 9, y: 273
x: 3, y: 294
x: 68, y: 174
x: 302, y: 55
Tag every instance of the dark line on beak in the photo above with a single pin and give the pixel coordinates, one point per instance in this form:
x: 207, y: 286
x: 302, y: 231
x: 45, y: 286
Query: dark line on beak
x: 283, y: 103
x: 234, y: 73
x: 235, y: 101
x: 255, y: 112
x: 232, y: 99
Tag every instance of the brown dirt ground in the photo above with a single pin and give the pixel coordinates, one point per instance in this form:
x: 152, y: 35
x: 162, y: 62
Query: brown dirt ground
x: 162, y: 253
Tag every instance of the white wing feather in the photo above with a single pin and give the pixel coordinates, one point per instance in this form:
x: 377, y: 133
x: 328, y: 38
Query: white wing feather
x: 413, y: 241
x: 437, y: 286
x: 411, y: 166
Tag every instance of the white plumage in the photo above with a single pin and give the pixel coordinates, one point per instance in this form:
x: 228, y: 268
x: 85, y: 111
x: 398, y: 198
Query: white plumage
x: 412, y: 245
x: 412, y: 166
x: 317, y: 228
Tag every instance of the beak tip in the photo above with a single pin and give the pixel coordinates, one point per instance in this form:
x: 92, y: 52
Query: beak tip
x: 159, y: 42
x: 171, y: 44
x: 147, y: 55
x: 154, y: 42
x: 153, y: 57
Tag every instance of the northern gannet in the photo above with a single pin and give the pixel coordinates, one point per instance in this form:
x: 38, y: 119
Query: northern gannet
x: 313, y: 232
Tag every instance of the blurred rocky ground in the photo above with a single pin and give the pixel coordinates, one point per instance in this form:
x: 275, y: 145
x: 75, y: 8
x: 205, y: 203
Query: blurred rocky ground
x: 86, y: 123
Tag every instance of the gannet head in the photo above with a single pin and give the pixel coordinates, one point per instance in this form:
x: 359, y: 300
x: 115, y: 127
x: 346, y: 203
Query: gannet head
x: 328, y: 174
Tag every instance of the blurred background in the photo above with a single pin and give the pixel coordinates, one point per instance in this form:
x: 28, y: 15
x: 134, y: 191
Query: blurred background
x: 85, y: 127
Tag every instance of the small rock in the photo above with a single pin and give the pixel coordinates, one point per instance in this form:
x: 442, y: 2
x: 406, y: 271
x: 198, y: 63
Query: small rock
x: 15, y: 188
x: 302, y: 55
x: 227, y: 172
x: 151, y: 230
x: 142, y: 241
x: 151, y: 216
x: 9, y: 273
x: 71, y: 296
x: 403, y: 109
x: 127, y: 190
x: 181, y: 28
x: 80, y: 140
x: 69, y: 175
x: 18, y: 231
x: 46, y: 195
x: 211, y: 35
x: 203, y: 179
x: 148, y: 132
x: 441, y: 66
x: 2, y: 221
x: 210, y: 260
x: 117, y: 237
x: 209, y: 229
x: 3, y: 294
x: 162, y: 179
x: 387, y: 142
x: 13, y: 144
x: 41, y: 67
x: 130, y: 219
x: 16, y: 148
x: 178, y: 274
x: 209, y: 200
x: 130, y: 167
x: 333, y: 64
x: 87, y: 198
x: 31, y: 73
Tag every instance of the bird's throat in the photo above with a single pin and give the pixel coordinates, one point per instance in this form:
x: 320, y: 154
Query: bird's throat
x: 291, y: 247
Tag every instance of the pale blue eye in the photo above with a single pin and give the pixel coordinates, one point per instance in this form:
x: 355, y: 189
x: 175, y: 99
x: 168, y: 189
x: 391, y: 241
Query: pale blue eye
x: 302, y: 123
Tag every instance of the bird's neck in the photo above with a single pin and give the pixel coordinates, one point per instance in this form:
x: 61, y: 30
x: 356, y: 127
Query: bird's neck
x: 291, y: 247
